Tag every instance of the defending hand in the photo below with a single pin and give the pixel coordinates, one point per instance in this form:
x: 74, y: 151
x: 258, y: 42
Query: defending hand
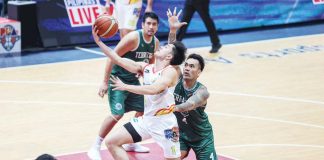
x: 173, y: 19
x: 117, y: 84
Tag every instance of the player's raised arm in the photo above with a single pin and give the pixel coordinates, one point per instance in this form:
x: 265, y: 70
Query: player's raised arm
x: 149, y: 6
x: 130, y: 65
x: 174, y: 24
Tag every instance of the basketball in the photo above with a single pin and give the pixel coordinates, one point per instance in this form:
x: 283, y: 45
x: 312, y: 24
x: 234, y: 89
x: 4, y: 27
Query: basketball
x: 107, y: 26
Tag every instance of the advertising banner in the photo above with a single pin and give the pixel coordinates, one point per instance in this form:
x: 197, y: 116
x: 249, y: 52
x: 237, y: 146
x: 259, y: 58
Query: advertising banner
x: 68, y: 22
x: 81, y: 12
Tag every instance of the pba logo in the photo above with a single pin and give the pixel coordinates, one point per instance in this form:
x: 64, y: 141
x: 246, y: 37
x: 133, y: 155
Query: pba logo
x: 9, y: 37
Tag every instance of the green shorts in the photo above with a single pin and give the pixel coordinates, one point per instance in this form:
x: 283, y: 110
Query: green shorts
x: 204, y: 149
x: 123, y: 101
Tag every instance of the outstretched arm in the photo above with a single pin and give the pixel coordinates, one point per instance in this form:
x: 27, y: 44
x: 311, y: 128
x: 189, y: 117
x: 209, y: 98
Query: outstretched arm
x: 126, y: 63
x: 149, y: 6
x: 169, y: 76
x: 104, y: 86
x: 174, y: 24
x: 196, y: 100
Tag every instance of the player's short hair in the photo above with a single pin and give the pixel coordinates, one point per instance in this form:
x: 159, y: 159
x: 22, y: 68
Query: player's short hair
x: 199, y: 58
x: 179, y: 53
x: 45, y: 157
x: 150, y: 15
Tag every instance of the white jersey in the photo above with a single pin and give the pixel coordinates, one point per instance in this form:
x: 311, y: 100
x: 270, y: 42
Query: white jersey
x: 163, y: 128
x: 153, y: 103
x: 127, y: 13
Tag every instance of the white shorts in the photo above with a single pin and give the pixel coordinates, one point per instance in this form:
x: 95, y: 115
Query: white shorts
x: 163, y: 129
x: 127, y: 13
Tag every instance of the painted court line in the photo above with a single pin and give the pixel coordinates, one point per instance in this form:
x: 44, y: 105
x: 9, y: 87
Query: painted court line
x: 213, y: 92
x: 90, y: 51
x: 271, y: 145
x: 51, y: 103
x: 100, y: 53
x: 224, y: 155
x: 50, y: 83
x: 268, y: 97
x: 52, y: 64
x: 209, y: 113
x: 265, y: 119
x: 268, y: 40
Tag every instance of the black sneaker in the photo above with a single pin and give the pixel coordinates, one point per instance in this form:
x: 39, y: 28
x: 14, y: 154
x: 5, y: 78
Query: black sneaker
x: 215, y: 48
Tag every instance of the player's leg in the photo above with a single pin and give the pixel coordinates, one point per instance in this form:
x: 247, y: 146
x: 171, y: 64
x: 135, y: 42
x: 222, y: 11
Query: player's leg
x: 117, y: 108
x: 165, y: 132
x: 129, y: 15
x: 134, y: 131
x: 114, y: 143
x: 188, y: 12
x: 169, y: 144
x: 184, y: 148
x: 135, y: 102
x: 205, y: 149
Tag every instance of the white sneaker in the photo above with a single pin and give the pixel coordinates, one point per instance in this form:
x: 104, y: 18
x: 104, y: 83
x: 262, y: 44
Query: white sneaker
x: 134, y: 147
x: 94, y: 153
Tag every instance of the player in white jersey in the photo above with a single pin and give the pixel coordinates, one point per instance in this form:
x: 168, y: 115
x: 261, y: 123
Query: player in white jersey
x: 160, y: 79
x: 127, y: 13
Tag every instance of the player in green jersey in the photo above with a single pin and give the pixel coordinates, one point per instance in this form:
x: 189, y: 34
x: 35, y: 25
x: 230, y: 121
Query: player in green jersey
x: 191, y: 98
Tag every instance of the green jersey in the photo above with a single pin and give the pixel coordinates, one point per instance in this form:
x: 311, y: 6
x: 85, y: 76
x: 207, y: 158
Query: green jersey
x: 143, y: 53
x: 193, y: 125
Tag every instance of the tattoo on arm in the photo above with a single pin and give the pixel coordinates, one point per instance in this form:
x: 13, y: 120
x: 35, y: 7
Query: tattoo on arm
x: 196, y: 100
x: 172, y: 37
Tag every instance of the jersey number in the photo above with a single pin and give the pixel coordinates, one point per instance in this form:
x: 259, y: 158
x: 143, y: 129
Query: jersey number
x: 212, y: 156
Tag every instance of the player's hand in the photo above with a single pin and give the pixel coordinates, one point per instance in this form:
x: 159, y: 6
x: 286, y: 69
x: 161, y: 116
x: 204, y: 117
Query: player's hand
x: 148, y: 9
x: 95, y: 36
x: 103, y: 89
x: 117, y: 84
x: 165, y: 111
x: 173, y: 19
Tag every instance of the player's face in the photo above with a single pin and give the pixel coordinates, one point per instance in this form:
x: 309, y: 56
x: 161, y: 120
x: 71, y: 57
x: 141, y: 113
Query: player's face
x: 191, y: 70
x: 164, y: 51
x: 150, y: 26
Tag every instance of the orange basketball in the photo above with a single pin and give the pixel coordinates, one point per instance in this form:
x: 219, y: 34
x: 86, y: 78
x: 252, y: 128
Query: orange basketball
x: 107, y: 26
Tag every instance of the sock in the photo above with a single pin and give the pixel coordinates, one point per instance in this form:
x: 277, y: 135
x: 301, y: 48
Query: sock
x: 98, y: 142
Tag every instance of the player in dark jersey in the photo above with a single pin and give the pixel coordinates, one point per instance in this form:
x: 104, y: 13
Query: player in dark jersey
x: 191, y: 98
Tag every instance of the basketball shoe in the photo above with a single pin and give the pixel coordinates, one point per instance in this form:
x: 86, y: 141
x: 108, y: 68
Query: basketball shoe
x: 134, y: 147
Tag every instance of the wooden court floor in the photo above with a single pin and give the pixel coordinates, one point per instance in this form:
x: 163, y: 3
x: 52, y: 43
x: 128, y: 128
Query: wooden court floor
x: 267, y: 102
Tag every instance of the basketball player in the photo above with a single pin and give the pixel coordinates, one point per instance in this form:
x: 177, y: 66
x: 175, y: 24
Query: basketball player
x: 159, y: 81
x: 127, y: 13
x: 139, y: 46
x: 191, y: 98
